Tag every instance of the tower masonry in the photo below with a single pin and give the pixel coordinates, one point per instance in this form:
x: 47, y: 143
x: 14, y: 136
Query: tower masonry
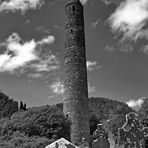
x: 76, y: 89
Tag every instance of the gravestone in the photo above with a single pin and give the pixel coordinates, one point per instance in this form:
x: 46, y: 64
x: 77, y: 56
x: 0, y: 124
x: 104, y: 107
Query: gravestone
x: 101, y: 138
x: 61, y: 143
x: 84, y: 143
x: 133, y: 134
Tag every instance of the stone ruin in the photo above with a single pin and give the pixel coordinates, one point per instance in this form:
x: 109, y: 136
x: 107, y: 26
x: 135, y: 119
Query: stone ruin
x: 75, y: 104
x: 101, y: 138
x: 133, y: 134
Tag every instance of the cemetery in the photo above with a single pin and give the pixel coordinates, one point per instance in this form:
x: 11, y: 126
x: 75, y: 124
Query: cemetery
x: 78, y: 121
x: 132, y: 134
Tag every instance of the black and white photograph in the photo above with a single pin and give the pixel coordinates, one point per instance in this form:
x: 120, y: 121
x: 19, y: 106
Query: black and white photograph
x: 73, y: 73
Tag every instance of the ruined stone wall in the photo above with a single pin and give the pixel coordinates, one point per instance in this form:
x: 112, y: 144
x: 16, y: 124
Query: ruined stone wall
x: 76, y: 89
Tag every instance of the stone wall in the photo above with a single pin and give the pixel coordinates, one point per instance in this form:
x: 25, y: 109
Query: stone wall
x: 76, y: 89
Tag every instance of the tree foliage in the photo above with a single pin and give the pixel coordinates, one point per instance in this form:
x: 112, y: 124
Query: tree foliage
x: 44, y: 121
x: 143, y: 112
x: 34, y: 127
x: 103, y: 109
x: 21, y: 140
x: 93, y: 123
x: 22, y: 106
x: 7, y: 106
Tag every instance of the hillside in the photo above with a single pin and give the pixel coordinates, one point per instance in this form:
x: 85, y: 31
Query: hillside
x: 7, y: 106
x: 103, y: 110
x: 102, y: 107
x: 39, y: 126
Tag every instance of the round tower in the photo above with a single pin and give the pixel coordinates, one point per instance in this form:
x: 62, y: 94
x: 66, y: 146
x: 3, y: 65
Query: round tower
x: 76, y: 89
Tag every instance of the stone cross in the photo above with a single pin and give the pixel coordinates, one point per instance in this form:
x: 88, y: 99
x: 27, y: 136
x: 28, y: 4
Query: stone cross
x: 84, y: 143
x: 101, y: 138
x: 133, y: 134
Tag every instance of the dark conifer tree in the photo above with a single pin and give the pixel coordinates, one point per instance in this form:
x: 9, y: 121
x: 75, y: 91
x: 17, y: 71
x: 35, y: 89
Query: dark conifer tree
x: 24, y: 107
x: 21, y: 105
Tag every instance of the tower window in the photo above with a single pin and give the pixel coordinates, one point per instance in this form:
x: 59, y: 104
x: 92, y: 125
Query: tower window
x: 73, y: 8
x: 67, y: 116
x: 71, y: 30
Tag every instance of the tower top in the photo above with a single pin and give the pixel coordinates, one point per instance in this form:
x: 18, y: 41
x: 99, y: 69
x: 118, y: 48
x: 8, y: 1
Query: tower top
x: 73, y: 1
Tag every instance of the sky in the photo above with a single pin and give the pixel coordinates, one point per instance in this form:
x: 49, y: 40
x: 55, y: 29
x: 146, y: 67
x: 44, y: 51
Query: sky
x: 32, y: 50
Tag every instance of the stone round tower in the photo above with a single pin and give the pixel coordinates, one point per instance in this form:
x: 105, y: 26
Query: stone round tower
x: 76, y: 89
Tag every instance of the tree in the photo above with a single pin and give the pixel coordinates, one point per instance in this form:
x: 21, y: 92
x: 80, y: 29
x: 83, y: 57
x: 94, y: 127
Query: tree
x: 21, y: 105
x: 44, y: 121
x: 24, y: 107
x: 17, y: 140
x: 143, y: 112
x: 7, y: 106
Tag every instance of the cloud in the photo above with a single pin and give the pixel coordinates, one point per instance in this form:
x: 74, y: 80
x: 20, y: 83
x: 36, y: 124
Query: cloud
x: 92, y: 65
x: 130, y: 18
x: 107, y: 2
x: 35, y: 75
x: 57, y: 87
x: 136, y: 104
x: 42, y: 29
x: 124, y: 47
x: 21, y: 55
x: 27, y: 21
x: 91, y: 88
x: 110, y: 48
x: 17, y: 55
x: 47, y: 40
x: 144, y: 49
x: 20, y: 5
x: 84, y: 1
x: 94, y: 24
x: 49, y: 64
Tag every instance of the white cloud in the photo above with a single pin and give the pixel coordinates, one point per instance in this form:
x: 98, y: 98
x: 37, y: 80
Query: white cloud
x: 126, y: 48
x: 17, y: 54
x: 20, y: 54
x: 84, y: 1
x: 130, y: 17
x: 94, y: 24
x: 57, y: 87
x: 107, y: 2
x: 35, y: 75
x: 136, y: 104
x: 110, y: 48
x: 50, y: 64
x: 42, y: 29
x: 47, y: 40
x: 20, y: 5
x: 144, y: 49
x: 91, y: 88
x: 91, y: 65
x: 24, y: 5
